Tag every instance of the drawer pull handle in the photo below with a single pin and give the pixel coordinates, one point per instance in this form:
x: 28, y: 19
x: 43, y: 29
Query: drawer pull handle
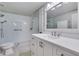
x: 41, y: 46
x: 40, y: 42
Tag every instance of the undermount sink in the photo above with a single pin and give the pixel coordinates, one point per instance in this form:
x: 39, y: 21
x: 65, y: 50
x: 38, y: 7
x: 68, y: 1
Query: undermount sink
x: 53, y: 37
x: 49, y: 36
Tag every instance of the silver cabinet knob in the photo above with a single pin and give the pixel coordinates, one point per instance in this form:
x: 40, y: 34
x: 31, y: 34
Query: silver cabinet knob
x: 41, y: 44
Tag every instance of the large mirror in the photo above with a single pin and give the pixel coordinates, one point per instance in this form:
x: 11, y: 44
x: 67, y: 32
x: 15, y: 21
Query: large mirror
x: 62, y: 15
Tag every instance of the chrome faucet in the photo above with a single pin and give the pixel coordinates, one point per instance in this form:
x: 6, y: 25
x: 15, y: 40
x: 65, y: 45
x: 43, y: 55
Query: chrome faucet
x: 53, y: 33
x: 56, y: 34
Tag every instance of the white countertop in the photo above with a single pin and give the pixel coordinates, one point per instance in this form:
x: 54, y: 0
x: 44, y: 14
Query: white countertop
x: 69, y: 43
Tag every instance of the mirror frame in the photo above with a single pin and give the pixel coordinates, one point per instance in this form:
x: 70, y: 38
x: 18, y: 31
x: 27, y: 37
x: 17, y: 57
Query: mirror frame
x: 62, y: 30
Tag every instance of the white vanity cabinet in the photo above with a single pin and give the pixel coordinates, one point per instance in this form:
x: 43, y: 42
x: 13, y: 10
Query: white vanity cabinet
x: 40, y: 47
x: 44, y: 48
x: 36, y: 47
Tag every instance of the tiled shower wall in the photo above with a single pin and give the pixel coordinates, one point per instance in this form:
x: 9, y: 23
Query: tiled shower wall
x: 22, y: 37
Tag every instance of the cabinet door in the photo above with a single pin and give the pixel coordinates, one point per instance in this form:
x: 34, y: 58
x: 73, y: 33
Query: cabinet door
x: 61, y: 52
x: 47, y: 49
x: 34, y: 47
x: 40, y: 48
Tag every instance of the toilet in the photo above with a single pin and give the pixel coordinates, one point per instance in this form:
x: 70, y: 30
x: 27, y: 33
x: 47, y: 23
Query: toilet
x: 7, y: 48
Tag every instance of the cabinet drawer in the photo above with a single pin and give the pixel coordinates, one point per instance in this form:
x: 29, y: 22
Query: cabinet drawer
x: 61, y: 52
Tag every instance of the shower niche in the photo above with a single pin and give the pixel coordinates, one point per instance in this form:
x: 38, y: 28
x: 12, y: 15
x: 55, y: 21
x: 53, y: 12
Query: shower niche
x: 17, y: 26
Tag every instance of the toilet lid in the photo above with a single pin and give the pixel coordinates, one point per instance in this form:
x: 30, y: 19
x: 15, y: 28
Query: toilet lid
x: 7, y: 45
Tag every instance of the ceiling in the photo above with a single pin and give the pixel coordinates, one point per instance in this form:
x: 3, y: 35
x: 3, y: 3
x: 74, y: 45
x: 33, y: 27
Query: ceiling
x: 22, y: 8
x: 62, y: 9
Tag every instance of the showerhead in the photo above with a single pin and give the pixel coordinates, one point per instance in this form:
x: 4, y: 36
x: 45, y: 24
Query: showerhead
x: 4, y: 21
x: 1, y: 15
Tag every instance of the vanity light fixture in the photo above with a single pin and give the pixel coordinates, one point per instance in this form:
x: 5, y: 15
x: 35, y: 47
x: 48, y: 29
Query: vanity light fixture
x: 53, y: 9
x: 48, y: 5
x: 55, y: 3
x: 51, y: 5
x: 59, y: 5
x: 65, y: 2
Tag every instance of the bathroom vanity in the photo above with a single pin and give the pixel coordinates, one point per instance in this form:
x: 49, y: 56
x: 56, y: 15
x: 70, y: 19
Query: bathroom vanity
x: 46, y: 45
x: 58, y: 17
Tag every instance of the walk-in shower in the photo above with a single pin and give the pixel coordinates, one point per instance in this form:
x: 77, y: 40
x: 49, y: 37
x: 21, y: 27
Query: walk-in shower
x: 15, y: 34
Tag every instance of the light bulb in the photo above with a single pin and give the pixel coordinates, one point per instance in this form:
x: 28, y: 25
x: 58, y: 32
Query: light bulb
x: 53, y: 9
x: 59, y: 5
